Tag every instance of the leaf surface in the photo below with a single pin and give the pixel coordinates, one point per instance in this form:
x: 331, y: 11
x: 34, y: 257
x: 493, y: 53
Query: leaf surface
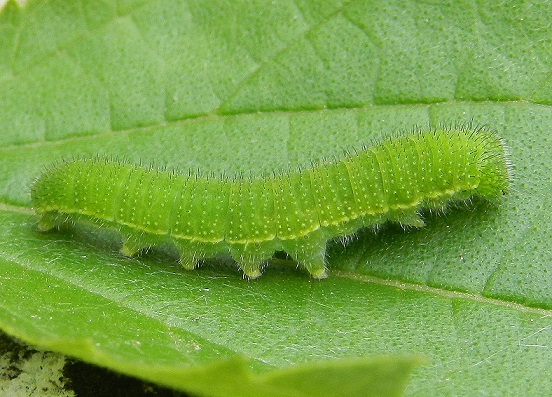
x: 253, y: 87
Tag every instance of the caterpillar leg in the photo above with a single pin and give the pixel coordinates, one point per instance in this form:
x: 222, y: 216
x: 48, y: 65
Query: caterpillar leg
x: 131, y: 246
x: 192, y: 253
x: 49, y: 220
x: 251, y: 266
x: 252, y: 257
x: 189, y: 261
x: 406, y: 218
x: 316, y: 265
x: 310, y: 253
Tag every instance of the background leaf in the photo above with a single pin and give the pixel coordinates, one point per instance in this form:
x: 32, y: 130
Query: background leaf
x: 249, y: 87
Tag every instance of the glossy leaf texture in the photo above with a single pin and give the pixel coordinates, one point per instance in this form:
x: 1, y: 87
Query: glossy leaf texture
x: 249, y: 87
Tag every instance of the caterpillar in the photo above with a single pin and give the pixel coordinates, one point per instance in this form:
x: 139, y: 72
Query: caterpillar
x: 296, y: 210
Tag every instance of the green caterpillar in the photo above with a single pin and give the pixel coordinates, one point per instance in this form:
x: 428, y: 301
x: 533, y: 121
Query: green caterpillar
x: 296, y: 211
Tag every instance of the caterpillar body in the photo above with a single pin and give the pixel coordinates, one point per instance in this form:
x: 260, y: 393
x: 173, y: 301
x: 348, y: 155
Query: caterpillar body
x: 296, y: 211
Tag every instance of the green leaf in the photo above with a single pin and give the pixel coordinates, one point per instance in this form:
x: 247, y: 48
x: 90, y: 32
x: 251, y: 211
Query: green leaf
x: 254, y: 86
